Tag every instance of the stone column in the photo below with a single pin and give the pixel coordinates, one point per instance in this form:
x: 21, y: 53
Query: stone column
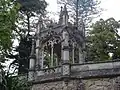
x: 52, y: 46
x: 31, y: 64
x: 65, y: 55
x: 73, y: 53
x: 42, y: 58
x: 80, y: 56
x: 56, y: 61
x: 40, y: 62
x: 0, y: 75
x: 38, y: 45
x: 39, y: 51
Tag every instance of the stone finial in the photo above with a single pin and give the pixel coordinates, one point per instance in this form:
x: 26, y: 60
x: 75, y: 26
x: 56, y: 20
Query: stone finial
x: 63, y: 16
x: 61, y: 8
x: 65, y: 12
x: 61, y: 12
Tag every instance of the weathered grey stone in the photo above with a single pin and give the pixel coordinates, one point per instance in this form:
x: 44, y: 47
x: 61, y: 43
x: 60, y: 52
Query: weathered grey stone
x: 86, y: 84
x: 68, y: 76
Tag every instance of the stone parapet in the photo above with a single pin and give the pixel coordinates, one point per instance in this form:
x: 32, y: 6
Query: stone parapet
x: 99, y: 76
x: 82, y: 71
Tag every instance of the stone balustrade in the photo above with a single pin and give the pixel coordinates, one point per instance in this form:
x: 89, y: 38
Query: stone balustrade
x: 81, y: 71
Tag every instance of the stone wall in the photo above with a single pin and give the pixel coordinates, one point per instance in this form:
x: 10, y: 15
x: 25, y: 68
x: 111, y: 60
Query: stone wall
x: 86, y: 84
x: 102, y: 83
x: 99, y: 84
x: 99, y: 76
x: 59, y: 85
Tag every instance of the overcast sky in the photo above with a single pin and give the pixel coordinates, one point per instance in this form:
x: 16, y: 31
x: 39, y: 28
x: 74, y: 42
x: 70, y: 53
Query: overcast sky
x: 111, y: 8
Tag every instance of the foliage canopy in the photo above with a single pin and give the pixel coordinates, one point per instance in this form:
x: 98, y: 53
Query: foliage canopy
x: 104, y: 40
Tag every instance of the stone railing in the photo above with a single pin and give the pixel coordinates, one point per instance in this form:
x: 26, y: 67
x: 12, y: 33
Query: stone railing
x: 95, y: 66
x: 80, y: 71
x: 48, y: 74
x: 51, y: 70
x: 110, y: 68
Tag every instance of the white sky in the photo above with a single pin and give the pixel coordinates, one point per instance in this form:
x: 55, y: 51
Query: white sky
x: 111, y: 8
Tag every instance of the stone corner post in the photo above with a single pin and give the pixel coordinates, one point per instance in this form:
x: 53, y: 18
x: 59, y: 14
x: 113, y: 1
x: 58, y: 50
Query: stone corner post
x: 65, y: 54
x: 31, y: 64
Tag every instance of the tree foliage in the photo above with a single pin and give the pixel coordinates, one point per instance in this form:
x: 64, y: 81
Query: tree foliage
x: 29, y: 9
x: 84, y: 8
x: 32, y: 6
x: 28, y: 13
x: 104, y: 40
x: 10, y: 82
x: 8, y: 13
x: 21, y: 59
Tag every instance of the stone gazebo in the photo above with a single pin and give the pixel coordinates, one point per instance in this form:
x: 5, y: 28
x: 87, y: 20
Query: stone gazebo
x: 57, y: 61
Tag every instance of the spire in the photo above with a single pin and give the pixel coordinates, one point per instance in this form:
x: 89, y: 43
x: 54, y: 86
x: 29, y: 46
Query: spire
x: 61, y: 12
x: 65, y: 12
x: 63, y: 16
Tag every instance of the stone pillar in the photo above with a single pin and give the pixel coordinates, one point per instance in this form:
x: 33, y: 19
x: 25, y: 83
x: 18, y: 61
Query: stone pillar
x: 56, y: 61
x: 31, y: 64
x: 31, y: 69
x: 0, y: 75
x: 38, y: 45
x: 65, y: 55
x: 65, y: 45
x: 73, y: 53
x: 42, y: 58
x: 52, y: 46
x: 80, y: 56
x: 40, y: 62
x: 39, y: 51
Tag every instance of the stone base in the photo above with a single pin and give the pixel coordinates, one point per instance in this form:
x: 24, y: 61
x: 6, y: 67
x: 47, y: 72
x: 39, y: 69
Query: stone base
x: 99, y: 84
x: 59, y: 85
x: 87, y: 84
